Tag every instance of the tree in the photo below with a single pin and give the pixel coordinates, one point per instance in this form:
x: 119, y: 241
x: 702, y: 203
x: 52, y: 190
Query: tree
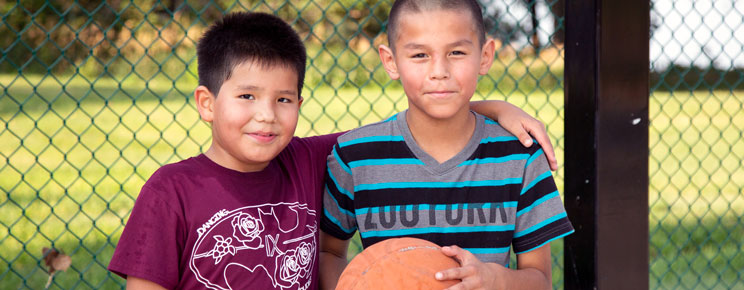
x: 558, y: 8
x: 534, y: 39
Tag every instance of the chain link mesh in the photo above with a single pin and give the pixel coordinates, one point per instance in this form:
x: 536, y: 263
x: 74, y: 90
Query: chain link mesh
x: 696, y: 157
x: 97, y: 95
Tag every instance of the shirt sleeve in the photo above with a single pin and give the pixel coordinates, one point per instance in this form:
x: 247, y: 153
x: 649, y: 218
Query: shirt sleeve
x: 149, y: 247
x: 319, y: 148
x: 541, y: 217
x: 338, y: 218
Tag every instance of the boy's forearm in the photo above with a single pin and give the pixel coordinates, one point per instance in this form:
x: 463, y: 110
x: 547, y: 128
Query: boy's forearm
x: 332, y: 258
x: 331, y: 267
x: 533, y: 270
x: 528, y: 278
x: 519, y: 123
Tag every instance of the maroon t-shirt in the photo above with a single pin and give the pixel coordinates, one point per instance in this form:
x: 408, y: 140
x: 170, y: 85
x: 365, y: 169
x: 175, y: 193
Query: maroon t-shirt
x: 198, y: 225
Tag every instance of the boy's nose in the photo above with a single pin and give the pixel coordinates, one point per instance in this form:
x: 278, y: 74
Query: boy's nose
x: 439, y: 69
x: 265, y: 113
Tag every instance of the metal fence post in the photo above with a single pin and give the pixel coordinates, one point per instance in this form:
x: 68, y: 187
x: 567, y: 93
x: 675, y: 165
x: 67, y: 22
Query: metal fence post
x: 606, y: 99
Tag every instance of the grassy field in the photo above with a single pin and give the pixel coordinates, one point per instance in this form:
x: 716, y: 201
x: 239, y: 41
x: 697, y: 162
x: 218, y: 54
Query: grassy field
x: 74, y: 155
x: 696, y: 167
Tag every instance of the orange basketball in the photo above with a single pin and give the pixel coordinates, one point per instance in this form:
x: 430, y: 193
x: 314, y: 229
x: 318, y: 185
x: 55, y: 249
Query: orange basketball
x: 401, y: 263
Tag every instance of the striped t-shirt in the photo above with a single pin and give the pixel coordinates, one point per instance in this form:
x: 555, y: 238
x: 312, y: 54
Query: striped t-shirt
x: 492, y: 195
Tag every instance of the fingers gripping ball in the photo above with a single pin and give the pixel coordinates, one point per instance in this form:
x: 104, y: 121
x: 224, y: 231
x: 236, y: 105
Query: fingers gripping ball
x: 401, y: 263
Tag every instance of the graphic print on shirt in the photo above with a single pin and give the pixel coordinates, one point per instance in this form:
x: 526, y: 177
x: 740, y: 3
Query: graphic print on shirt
x: 254, y: 243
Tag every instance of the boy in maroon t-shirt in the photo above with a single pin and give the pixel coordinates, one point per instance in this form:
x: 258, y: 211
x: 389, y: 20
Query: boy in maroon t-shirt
x: 245, y: 213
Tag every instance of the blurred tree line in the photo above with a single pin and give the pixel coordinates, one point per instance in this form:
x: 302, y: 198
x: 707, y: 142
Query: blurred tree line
x: 145, y: 39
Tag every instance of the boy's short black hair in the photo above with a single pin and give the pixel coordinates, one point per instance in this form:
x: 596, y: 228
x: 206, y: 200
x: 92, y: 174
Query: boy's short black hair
x: 471, y: 6
x: 248, y: 36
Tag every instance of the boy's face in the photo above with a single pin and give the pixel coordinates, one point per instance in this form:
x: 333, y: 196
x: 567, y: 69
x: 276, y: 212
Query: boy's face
x: 438, y: 59
x: 253, y: 117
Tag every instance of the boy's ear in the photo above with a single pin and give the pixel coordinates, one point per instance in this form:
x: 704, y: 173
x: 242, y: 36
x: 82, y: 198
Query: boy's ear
x: 204, y: 103
x: 487, y: 54
x: 388, y: 61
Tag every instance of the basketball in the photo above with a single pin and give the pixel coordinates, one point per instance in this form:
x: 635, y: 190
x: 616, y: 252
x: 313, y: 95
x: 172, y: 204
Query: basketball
x: 400, y: 263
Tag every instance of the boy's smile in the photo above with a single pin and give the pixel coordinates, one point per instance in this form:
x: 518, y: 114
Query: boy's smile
x: 253, y: 117
x: 263, y: 137
x: 437, y: 58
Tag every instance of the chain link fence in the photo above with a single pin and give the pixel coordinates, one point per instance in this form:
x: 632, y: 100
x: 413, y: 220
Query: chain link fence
x: 696, y: 157
x: 97, y: 95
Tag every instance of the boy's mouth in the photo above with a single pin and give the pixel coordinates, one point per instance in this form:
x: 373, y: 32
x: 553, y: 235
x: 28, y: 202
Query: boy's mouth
x: 440, y: 94
x: 263, y: 136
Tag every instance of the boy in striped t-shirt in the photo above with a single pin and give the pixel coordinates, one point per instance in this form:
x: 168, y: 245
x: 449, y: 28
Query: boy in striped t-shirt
x: 439, y: 171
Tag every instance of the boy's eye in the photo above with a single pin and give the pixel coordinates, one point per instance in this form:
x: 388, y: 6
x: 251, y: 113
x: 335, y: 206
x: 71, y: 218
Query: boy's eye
x: 457, y: 52
x: 247, y: 96
x: 284, y: 100
x: 419, y: 55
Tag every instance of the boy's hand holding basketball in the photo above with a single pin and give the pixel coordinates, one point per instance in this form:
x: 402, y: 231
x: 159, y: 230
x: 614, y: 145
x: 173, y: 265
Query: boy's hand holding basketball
x: 533, y: 271
x: 473, y: 273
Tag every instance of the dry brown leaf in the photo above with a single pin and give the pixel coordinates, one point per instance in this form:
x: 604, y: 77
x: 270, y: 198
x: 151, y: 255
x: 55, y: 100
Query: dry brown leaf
x: 61, y: 262
x: 49, y: 256
x: 55, y: 261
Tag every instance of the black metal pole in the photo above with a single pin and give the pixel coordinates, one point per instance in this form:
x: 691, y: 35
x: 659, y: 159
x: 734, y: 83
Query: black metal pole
x: 606, y: 185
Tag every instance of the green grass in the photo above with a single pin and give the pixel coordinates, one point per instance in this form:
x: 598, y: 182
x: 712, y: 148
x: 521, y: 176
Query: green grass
x: 695, y: 191
x: 74, y: 155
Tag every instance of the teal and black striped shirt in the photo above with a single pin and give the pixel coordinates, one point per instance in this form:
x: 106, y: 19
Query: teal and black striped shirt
x: 493, y: 195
